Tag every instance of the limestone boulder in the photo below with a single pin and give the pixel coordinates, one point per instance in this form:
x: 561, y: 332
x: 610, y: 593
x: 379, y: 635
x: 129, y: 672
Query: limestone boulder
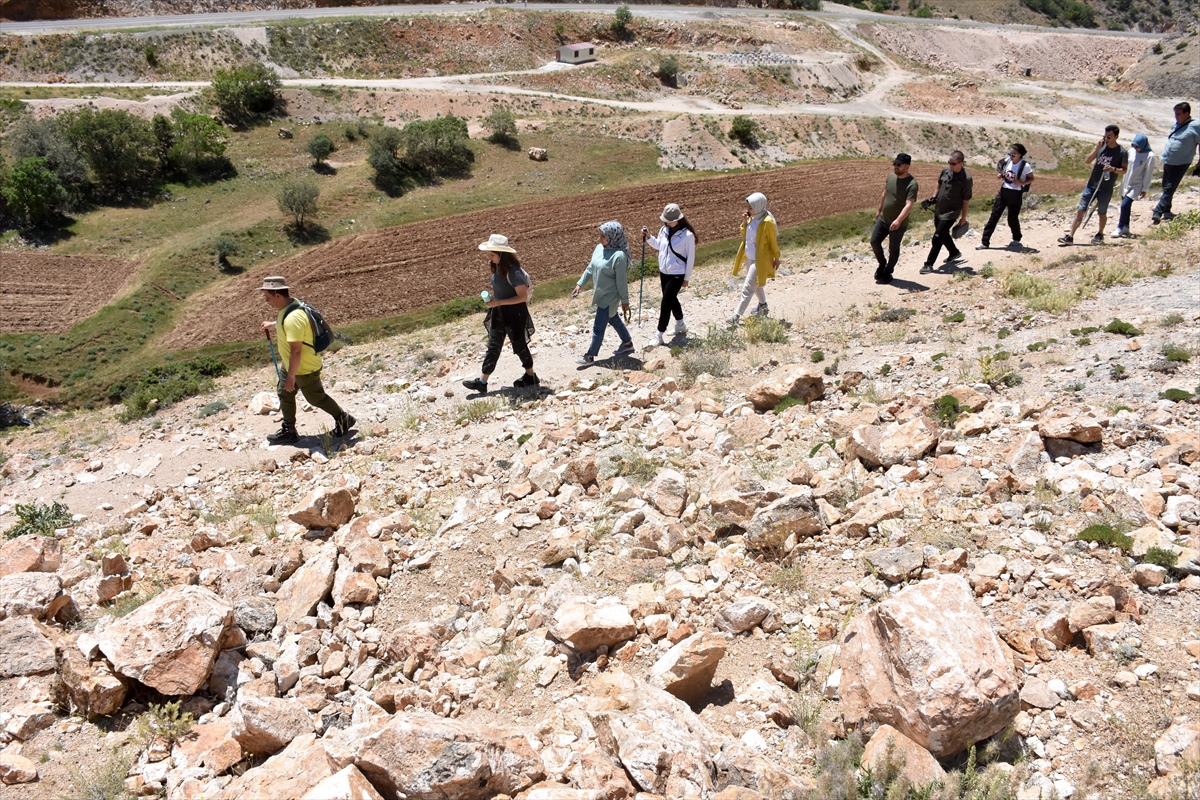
x: 92, y: 689
x: 1081, y: 428
x: 419, y: 755
x: 587, y: 624
x: 210, y: 745
x: 263, y: 403
x: 30, y: 553
x: 1024, y: 458
x: 581, y: 471
x: 16, y: 769
x: 927, y: 662
x: 292, y: 772
x: 687, y: 669
x: 893, y: 443
x: 920, y: 768
x: 804, y: 383
x: 1180, y: 741
x: 324, y: 508
x: 30, y: 594
x: 543, y: 477
x: 896, y: 564
x: 1098, y: 610
x: 307, y: 586
x: 169, y: 643
x: 264, y: 725
x: 349, y: 784
x: 668, y: 492
x: 793, y: 517
x: 255, y: 615
x: 744, y: 613
x: 25, y: 648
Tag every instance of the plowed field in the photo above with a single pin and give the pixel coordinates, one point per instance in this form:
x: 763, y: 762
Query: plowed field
x: 400, y: 269
x: 44, y: 293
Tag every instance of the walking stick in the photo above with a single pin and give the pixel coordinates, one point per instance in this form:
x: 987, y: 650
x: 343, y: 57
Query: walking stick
x: 641, y: 282
x: 274, y: 360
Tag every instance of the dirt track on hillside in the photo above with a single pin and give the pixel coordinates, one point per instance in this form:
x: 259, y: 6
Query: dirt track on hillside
x: 407, y: 267
x: 43, y: 293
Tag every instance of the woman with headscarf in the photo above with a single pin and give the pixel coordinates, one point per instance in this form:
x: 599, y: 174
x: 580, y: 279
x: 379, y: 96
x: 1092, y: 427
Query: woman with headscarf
x: 676, y: 245
x: 759, y: 250
x: 508, y: 314
x: 609, y: 273
x: 1137, y: 181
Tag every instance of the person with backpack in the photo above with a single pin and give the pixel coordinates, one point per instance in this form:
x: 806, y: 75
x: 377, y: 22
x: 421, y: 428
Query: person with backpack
x: 301, y: 362
x: 952, y: 201
x: 1137, y: 181
x: 1016, y: 175
x: 676, y: 245
x: 1110, y: 160
x: 1182, y: 143
x: 608, y: 272
x: 759, y: 250
x: 508, y: 314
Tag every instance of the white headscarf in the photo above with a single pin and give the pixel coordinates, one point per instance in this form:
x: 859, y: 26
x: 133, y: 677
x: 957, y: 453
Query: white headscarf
x: 758, y: 204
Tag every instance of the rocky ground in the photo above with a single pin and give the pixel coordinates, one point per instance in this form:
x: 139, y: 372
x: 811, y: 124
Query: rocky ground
x: 652, y: 578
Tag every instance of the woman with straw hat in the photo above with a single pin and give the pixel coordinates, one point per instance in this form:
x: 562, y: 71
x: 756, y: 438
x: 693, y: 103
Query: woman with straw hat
x: 609, y: 273
x: 676, y: 245
x: 508, y: 314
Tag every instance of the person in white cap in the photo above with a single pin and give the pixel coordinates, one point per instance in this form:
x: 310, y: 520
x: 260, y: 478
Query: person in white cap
x: 676, y: 245
x: 759, y: 250
x: 508, y: 314
x: 301, y: 363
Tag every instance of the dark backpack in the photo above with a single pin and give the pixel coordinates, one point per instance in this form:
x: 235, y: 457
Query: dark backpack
x: 322, y: 333
x: 1018, y: 168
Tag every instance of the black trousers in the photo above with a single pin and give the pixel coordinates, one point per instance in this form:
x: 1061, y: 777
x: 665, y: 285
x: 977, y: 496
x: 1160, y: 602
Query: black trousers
x: 942, y: 236
x: 671, y: 284
x: 878, y: 234
x: 514, y: 329
x: 1009, y: 199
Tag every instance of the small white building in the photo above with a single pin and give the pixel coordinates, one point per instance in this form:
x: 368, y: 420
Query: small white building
x: 577, y: 53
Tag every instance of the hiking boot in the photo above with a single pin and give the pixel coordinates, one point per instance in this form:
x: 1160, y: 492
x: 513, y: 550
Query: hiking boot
x: 760, y: 310
x: 285, y: 435
x: 1098, y: 238
x: 585, y: 360
x: 344, y: 425
x: 658, y: 340
x: 1066, y: 239
x: 1015, y: 244
x: 883, y: 278
x: 625, y: 349
x: 1168, y: 216
x: 528, y: 379
x: 954, y: 259
x: 1155, y: 219
x: 926, y: 269
x: 476, y: 385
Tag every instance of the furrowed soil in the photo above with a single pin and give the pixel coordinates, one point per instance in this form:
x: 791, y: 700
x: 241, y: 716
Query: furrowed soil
x: 408, y: 267
x: 41, y: 293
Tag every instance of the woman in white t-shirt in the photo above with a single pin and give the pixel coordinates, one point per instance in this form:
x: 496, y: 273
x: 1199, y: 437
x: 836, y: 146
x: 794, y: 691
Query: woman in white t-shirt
x: 1015, y: 175
x: 676, y: 245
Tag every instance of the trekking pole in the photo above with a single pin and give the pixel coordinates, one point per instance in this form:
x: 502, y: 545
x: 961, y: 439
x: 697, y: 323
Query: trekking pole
x: 274, y: 360
x: 641, y: 282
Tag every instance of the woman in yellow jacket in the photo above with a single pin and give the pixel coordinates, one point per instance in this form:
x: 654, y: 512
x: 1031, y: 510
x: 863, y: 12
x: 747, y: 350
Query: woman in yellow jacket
x: 760, y: 251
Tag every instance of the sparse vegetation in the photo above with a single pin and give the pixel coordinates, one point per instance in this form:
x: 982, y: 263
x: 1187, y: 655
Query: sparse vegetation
x: 947, y: 410
x: 476, y: 410
x: 246, y: 93
x: 1161, y: 556
x: 1106, y: 536
x: 1122, y: 328
x: 1176, y: 395
x: 1176, y: 352
x: 503, y: 126
x: 39, y: 518
x: 745, y: 130
x: 765, y: 329
x: 817, y: 356
x: 298, y: 199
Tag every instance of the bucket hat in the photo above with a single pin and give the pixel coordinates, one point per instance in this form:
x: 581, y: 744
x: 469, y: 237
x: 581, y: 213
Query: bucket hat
x: 497, y: 243
x: 274, y: 284
x: 672, y: 213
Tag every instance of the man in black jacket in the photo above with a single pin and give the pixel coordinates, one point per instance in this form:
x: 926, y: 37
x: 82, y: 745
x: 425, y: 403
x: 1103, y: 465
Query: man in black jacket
x: 952, y: 201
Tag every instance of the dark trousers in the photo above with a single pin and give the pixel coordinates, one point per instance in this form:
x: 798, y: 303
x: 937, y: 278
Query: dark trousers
x: 894, y: 238
x: 515, y: 331
x: 1172, y: 175
x: 942, y: 236
x: 314, y: 393
x: 1126, y: 213
x: 671, y: 284
x: 1010, y: 200
x: 601, y: 323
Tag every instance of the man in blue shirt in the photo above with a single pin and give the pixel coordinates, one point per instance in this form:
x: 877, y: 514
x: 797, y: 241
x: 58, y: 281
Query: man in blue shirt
x: 1182, y: 143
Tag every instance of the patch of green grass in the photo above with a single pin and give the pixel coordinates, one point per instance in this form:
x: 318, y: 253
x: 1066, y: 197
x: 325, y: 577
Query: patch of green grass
x: 1176, y: 395
x: 1161, y: 556
x: 1177, y: 228
x: 168, y: 384
x: 789, y: 579
x: 1122, y: 328
x: 786, y: 403
x: 1176, y: 352
x: 1036, y: 347
x: 1118, y: 372
x: 894, y: 315
x: 132, y: 601
x: 1106, y: 536
x: 765, y: 329
x: 39, y: 518
x: 954, y: 318
x: 947, y: 410
x: 1003, y: 333
x: 215, y: 407
x: 1038, y: 293
x: 1171, y: 320
x: 817, y: 356
x: 104, y: 779
x: 631, y: 462
x: 476, y: 410
x: 1105, y: 275
x: 1084, y: 331
x: 936, y: 357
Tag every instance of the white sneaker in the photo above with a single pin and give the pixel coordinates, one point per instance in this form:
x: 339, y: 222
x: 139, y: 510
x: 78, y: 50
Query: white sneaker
x: 658, y: 340
x: 680, y: 326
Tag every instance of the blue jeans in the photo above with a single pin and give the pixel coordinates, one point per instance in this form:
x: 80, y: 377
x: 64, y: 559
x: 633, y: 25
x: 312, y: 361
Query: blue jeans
x: 1172, y: 175
x: 1126, y: 209
x: 603, y: 320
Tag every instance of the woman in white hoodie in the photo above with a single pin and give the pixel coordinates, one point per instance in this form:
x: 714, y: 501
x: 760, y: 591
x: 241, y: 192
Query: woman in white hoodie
x: 676, y: 246
x: 1137, y: 181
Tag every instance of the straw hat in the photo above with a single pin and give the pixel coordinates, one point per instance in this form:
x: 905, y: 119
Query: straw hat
x: 497, y: 243
x: 273, y: 284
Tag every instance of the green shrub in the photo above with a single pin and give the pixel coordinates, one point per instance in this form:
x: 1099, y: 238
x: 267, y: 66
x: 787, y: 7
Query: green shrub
x: 193, y: 145
x: 1175, y: 352
x: 1161, y: 556
x: 437, y: 147
x: 786, y: 403
x: 622, y: 17
x: 894, y: 315
x: 954, y: 318
x: 383, y: 156
x: 47, y: 139
x: 40, y: 519
x: 817, y: 356
x: 765, y: 329
x: 103, y: 780
x: 1106, y: 536
x: 503, y: 127
x: 668, y: 71
x: 1172, y: 319
x: 320, y: 147
x: 459, y: 307
x: 298, y: 199
x: 744, y: 130
x: 947, y: 410
x: 245, y: 93
x: 1122, y: 328
x: 170, y: 383
x: 33, y: 192
x: 1176, y: 395
x: 693, y: 364
x: 215, y: 407
x: 1003, y: 333
x: 1118, y: 372
x: 225, y: 247
x: 164, y: 721
x: 120, y: 150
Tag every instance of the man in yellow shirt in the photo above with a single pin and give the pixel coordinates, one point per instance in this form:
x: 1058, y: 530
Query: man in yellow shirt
x: 303, y: 364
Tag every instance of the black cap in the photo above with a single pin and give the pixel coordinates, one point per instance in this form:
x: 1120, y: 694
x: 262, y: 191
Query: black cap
x: 901, y: 158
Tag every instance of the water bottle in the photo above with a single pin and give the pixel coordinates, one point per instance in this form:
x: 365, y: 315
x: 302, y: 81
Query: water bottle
x: 486, y: 297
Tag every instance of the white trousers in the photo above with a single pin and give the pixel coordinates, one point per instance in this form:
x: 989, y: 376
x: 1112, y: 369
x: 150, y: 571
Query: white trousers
x: 750, y: 288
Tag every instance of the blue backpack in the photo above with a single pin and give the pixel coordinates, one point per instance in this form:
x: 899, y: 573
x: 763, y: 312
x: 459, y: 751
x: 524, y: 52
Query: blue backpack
x: 322, y: 333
